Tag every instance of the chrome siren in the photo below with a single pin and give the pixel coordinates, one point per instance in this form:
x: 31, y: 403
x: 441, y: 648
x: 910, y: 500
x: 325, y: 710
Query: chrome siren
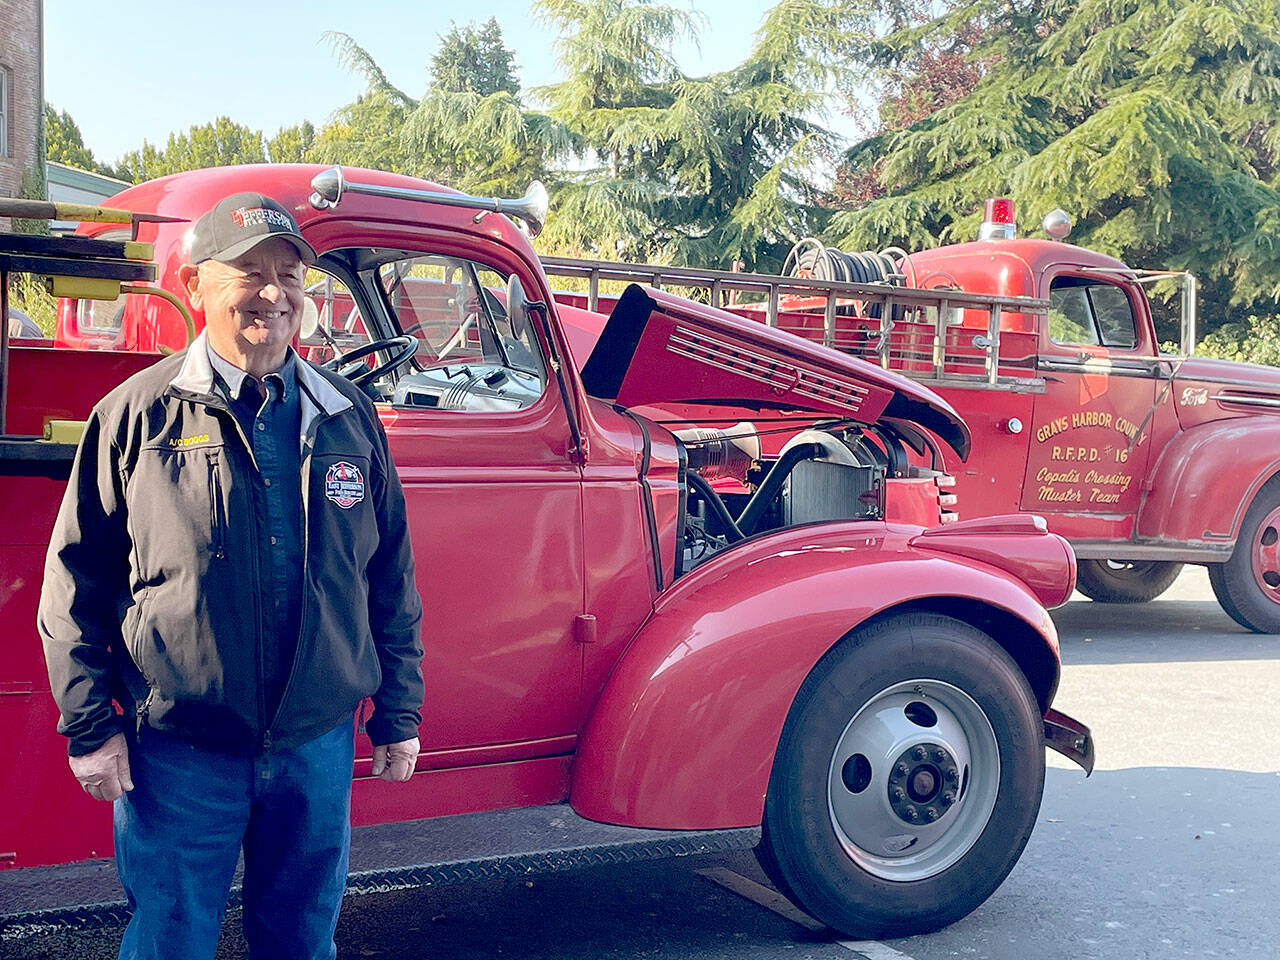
x: 330, y: 186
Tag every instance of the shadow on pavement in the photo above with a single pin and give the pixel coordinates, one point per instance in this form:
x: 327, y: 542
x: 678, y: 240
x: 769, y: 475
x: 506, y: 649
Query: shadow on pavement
x: 1138, y: 862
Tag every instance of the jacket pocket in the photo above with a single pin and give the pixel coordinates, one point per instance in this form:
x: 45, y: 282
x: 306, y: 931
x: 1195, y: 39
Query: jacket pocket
x: 135, y: 641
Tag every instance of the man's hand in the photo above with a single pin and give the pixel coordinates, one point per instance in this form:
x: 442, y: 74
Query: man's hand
x: 104, y: 774
x: 394, y: 762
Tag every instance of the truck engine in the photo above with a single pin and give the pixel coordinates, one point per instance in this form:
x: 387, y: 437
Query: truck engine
x: 828, y: 472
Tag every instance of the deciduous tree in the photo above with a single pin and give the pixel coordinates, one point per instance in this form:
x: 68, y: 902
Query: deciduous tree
x: 65, y: 144
x: 220, y: 143
x: 294, y: 144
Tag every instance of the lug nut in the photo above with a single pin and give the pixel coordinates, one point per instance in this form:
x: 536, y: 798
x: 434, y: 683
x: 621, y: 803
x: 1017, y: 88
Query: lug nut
x: 948, y: 798
x: 920, y: 753
x: 932, y: 814
x: 911, y: 813
x: 952, y: 775
x: 899, y: 794
x: 939, y: 755
x: 902, y: 769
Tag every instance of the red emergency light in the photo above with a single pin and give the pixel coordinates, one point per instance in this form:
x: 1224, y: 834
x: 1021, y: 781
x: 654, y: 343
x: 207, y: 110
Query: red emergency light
x: 998, y: 222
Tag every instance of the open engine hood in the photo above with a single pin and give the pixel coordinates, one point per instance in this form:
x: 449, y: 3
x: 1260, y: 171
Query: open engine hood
x: 659, y: 348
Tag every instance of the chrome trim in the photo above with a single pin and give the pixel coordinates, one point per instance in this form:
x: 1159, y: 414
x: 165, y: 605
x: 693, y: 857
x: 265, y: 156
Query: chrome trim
x: 1247, y: 401
x: 1182, y: 552
x: 1145, y: 369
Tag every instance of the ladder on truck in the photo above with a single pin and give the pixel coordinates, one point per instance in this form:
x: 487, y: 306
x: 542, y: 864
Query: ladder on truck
x: 935, y: 336
x: 73, y: 266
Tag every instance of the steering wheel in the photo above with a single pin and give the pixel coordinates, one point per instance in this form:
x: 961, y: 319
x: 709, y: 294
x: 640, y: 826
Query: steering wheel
x: 403, y: 349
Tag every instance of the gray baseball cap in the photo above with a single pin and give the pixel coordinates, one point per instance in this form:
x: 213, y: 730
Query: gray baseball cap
x: 239, y: 223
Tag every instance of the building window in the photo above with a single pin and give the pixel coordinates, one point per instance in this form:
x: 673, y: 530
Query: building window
x: 4, y: 112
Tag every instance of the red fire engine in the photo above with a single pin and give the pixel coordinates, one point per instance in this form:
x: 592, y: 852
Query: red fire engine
x: 646, y: 634
x: 1144, y: 460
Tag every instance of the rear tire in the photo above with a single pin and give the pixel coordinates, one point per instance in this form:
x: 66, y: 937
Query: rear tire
x: 907, y: 779
x: 1125, y: 581
x: 1248, y: 584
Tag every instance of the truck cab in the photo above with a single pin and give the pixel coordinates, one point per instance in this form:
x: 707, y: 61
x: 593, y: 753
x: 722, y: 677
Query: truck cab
x: 1137, y: 456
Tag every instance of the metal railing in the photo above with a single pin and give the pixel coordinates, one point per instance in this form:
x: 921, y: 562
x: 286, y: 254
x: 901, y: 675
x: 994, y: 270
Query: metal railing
x: 936, y: 308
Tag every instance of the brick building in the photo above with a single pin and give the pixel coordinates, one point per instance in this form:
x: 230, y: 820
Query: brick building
x: 21, y: 97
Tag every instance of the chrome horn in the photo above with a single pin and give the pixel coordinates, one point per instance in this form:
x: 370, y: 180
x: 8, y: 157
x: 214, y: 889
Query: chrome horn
x: 330, y: 186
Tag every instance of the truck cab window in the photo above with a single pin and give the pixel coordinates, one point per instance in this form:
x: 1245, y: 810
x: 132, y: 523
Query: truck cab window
x: 469, y: 355
x: 338, y: 324
x: 1087, y: 311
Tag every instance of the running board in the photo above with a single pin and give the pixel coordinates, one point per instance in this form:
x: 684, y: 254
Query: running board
x: 391, y: 856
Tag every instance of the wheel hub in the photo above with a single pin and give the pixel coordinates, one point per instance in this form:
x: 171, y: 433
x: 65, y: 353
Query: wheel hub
x: 913, y: 780
x: 922, y: 783
x: 1266, y: 555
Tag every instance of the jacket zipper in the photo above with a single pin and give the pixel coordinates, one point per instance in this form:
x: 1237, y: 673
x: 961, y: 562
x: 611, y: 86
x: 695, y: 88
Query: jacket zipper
x: 217, y: 516
x: 144, y: 708
x: 261, y: 634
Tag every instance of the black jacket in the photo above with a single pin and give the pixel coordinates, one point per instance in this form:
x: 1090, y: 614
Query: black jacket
x: 151, y: 594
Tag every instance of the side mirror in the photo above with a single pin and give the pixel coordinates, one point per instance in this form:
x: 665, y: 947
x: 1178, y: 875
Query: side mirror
x: 517, y: 307
x: 310, y: 319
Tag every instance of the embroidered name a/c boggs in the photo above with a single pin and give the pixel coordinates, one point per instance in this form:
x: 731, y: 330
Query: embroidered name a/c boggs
x: 188, y: 441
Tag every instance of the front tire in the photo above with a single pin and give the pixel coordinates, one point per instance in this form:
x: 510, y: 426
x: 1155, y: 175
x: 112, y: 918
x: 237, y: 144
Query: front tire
x: 1248, y: 584
x: 907, y: 779
x: 1125, y: 581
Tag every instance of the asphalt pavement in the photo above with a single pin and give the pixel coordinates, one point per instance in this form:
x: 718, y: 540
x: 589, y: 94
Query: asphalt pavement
x: 1170, y: 849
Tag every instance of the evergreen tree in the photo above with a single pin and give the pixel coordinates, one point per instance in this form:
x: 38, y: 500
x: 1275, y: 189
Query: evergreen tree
x: 475, y: 61
x: 470, y: 129
x: 1151, y: 121
x: 696, y: 170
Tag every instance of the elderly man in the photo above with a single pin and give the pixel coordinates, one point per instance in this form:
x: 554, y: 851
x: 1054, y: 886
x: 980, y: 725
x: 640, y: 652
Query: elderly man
x: 231, y: 565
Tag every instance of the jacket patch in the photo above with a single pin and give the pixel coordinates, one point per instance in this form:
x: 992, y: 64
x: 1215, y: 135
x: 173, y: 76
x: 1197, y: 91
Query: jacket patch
x: 344, y: 484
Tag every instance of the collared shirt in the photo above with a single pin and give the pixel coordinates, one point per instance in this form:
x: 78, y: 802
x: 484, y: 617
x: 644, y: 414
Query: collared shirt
x: 269, y: 413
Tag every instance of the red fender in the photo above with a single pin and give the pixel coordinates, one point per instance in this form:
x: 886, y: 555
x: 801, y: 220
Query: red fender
x: 684, y: 735
x: 1205, y: 480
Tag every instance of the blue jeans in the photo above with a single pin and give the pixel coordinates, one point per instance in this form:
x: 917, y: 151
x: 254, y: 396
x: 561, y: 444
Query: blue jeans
x: 180, y: 830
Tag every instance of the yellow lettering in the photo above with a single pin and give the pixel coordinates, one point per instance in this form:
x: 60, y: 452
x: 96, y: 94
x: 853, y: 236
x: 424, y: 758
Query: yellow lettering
x: 189, y: 441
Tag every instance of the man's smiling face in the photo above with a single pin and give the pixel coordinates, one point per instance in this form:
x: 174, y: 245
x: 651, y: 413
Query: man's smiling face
x: 252, y: 304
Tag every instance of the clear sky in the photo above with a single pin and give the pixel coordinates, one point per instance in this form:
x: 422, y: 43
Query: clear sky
x: 141, y: 69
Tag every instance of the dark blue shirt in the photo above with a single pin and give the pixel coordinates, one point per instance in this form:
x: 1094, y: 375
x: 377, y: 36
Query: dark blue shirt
x: 270, y: 414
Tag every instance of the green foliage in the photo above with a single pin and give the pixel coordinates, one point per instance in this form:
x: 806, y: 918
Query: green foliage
x: 362, y: 134
x: 1150, y: 121
x: 27, y: 293
x: 712, y: 169
x: 220, y: 143
x: 475, y: 61
x: 1254, y: 340
x: 294, y: 144
x: 469, y: 130
x: 643, y: 161
x: 65, y: 144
